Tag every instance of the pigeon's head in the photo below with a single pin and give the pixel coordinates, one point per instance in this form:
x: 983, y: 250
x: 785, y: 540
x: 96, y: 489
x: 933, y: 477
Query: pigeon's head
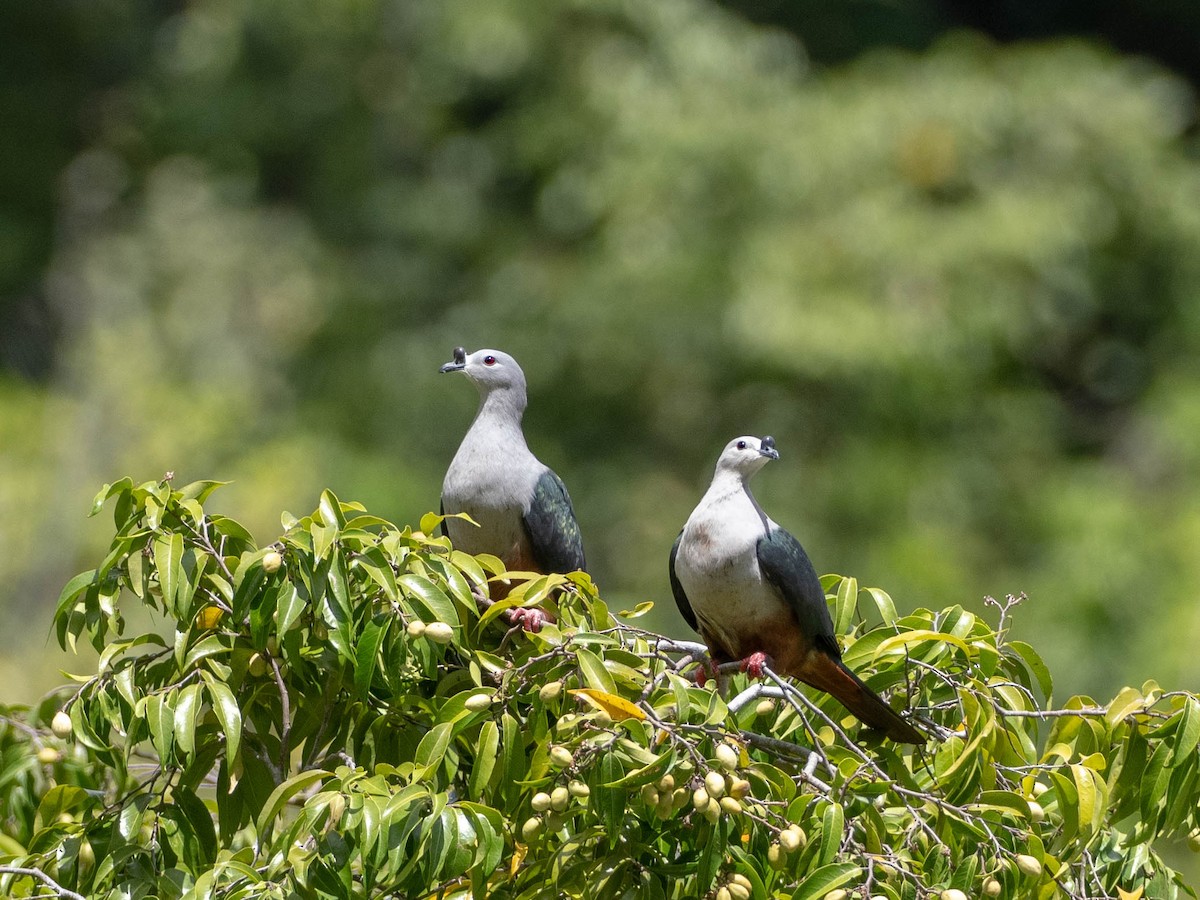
x: 489, y: 369
x: 746, y: 455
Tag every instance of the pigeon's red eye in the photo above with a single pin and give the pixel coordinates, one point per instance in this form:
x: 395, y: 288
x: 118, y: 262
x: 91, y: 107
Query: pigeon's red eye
x: 489, y: 360
x: 741, y: 445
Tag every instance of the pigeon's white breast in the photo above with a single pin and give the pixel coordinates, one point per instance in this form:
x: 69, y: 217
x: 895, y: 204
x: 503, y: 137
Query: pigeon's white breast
x: 494, y: 487
x: 717, y: 566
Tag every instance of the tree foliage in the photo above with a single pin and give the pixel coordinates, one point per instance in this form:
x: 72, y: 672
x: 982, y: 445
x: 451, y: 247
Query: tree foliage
x: 345, y: 713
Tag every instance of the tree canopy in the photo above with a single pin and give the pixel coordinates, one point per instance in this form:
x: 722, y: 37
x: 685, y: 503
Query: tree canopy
x: 344, y: 712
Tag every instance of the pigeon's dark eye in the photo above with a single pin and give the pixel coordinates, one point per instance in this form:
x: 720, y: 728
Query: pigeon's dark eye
x: 741, y: 445
x: 489, y: 360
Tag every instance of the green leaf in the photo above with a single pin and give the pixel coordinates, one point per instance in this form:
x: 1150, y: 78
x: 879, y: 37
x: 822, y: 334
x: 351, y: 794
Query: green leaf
x: 186, y: 709
x: 1189, y: 731
x: 367, y: 653
x: 845, y: 605
x: 1035, y: 665
x: 832, y: 822
x: 160, y: 715
x: 431, y: 598
x: 285, y: 792
x: 229, y: 714
x: 168, y: 556
x: 594, y: 674
x: 486, y: 756
x: 825, y: 879
x: 883, y: 602
x: 66, y: 602
x: 432, y: 749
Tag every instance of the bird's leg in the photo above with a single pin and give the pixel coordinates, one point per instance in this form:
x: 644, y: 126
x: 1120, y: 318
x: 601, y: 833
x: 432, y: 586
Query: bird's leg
x: 707, y: 667
x: 756, y: 664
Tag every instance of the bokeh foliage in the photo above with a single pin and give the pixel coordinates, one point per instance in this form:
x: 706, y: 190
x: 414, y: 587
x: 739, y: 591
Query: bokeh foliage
x: 345, y: 713
x: 957, y: 286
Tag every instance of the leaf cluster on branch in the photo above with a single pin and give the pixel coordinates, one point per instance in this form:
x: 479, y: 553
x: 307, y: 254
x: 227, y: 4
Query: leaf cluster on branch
x: 346, y: 713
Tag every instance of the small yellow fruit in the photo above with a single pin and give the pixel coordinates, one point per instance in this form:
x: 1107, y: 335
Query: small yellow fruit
x: 839, y: 894
x: 87, y: 855
x: 740, y: 788
x: 209, y: 617
x: 550, y: 691
x: 723, y: 893
x: 775, y: 856
x: 666, y: 784
x: 531, y: 829
x: 649, y: 794
x: 439, y: 632
x: 1036, y: 812
x: 679, y: 797
x: 800, y: 835
x: 731, y: 806
x: 578, y: 789
x: 712, y: 812
x: 715, y: 782
x: 992, y: 887
x: 559, y: 798
x: 727, y: 757
x: 1029, y: 865
x: 271, y: 562
x: 478, y: 702
x: 561, y: 757
x: 257, y: 666
x: 741, y: 880
x: 61, y: 724
x: 764, y: 708
x: 416, y: 628
x: 789, y: 841
x: 48, y: 756
x: 738, y: 891
x: 699, y: 799
x: 540, y: 802
x: 953, y: 894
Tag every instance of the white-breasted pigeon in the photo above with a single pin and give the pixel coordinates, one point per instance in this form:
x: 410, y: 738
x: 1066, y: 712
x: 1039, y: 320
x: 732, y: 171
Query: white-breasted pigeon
x: 522, y: 508
x: 750, y: 590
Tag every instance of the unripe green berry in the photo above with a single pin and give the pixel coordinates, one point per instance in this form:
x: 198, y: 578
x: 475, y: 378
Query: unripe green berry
x: 562, y: 757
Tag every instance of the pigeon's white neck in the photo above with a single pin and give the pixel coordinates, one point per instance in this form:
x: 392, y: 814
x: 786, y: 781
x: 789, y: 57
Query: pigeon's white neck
x: 728, y: 483
x: 501, y: 409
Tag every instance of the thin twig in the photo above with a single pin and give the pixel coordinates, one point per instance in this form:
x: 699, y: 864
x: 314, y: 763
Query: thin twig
x: 44, y: 879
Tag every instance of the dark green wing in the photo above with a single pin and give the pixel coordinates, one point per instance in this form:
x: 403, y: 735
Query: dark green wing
x: 552, y: 528
x: 681, y: 600
x: 788, y: 569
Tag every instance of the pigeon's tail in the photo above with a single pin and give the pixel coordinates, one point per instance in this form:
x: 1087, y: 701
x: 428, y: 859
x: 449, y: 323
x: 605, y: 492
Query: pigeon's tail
x: 832, y: 676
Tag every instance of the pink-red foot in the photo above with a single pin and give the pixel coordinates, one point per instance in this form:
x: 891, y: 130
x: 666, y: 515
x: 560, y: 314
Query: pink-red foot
x: 755, y: 665
x: 707, y: 668
x: 531, y: 620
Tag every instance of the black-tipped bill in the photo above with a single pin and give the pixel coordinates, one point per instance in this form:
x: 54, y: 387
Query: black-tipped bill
x: 767, y: 448
x: 459, y: 363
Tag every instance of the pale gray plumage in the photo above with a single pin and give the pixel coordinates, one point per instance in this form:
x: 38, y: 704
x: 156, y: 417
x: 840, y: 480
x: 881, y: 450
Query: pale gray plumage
x: 522, y: 509
x: 750, y: 590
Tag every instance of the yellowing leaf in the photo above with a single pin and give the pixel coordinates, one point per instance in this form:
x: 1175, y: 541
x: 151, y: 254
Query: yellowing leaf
x: 520, y: 851
x: 617, y: 707
x: 1135, y: 894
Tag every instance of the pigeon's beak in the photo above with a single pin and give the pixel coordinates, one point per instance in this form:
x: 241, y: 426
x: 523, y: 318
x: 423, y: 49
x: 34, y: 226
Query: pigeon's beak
x: 459, y: 363
x: 767, y: 448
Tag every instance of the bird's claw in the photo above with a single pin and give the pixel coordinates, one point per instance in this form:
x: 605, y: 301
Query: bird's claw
x: 755, y: 665
x: 706, y: 668
x: 531, y: 620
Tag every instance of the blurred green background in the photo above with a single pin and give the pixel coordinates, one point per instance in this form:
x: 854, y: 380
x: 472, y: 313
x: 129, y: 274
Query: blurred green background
x: 945, y: 252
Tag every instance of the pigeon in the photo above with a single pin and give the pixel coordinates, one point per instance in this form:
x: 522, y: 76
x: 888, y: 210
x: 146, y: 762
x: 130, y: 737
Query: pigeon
x: 747, y: 586
x: 521, y: 507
